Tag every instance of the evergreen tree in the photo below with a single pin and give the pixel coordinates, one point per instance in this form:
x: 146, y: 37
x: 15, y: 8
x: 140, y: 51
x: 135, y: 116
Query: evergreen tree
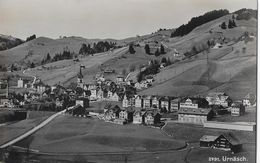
x: 48, y: 57
x: 131, y: 49
x: 223, y: 25
x: 147, y: 49
x: 157, y: 52
x: 32, y: 65
x: 162, y: 49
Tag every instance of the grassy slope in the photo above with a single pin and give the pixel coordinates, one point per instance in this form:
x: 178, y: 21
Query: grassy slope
x: 92, y: 135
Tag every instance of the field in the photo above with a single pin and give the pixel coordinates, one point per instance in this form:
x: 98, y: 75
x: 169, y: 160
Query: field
x: 92, y: 135
x: 11, y: 131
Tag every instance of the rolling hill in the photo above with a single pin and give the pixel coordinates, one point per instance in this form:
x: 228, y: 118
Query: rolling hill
x: 8, y: 42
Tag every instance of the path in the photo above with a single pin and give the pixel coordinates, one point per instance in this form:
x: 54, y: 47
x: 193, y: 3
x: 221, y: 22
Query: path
x: 33, y: 130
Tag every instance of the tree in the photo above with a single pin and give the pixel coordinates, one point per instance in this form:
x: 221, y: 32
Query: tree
x: 163, y: 60
x: 31, y: 38
x: 147, y: 49
x: 162, y: 49
x: 223, y: 25
x: 157, y: 52
x: 48, y: 57
x: 131, y: 49
x: 32, y: 65
x: 231, y: 23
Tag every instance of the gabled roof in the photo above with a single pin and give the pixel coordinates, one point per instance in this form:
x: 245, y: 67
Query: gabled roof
x: 231, y: 138
x: 251, y: 97
x: 208, y: 138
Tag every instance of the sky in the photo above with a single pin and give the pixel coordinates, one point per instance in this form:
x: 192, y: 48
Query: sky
x: 103, y: 18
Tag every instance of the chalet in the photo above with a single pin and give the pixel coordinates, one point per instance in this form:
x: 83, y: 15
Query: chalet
x: 249, y: 100
x: 93, y: 95
x: 84, y: 102
x: 164, y: 103
x: 174, y: 104
x: 194, y: 115
x: 20, y: 83
x: 113, y: 96
x: 193, y: 103
x: 152, y: 117
x: 40, y: 87
x: 123, y: 114
x: 226, y: 141
x: 125, y: 102
x: 155, y: 101
x: 138, y: 117
x: 237, y: 109
x: 147, y: 102
x: 78, y: 110
x: 112, y: 113
x: 218, y: 98
x: 138, y: 101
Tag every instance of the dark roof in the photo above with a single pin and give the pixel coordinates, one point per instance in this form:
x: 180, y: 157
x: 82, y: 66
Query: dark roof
x: 199, y: 111
x: 231, y: 138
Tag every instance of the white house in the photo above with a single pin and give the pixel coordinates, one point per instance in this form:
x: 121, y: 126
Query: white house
x: 138, y: 101
x: 138, y: 117
x: 188, y: 104
x: 20, y: 83
x: 218, y: 98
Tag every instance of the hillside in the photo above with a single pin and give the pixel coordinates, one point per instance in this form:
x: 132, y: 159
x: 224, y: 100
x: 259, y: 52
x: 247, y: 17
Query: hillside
x: 231, y: 69
x: 8, y: 42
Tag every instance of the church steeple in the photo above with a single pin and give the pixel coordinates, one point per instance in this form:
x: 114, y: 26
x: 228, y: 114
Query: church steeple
x: 80, y: 76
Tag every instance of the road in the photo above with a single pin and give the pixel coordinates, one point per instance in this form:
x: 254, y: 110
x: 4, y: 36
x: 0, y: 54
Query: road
x: 33, y: 130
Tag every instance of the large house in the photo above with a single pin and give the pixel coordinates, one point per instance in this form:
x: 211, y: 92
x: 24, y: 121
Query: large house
x: 218, y: 98
x: 193, y: 103
x: 174, y: 104
x: 147, y: 102
x: 226, y: 141
x: 164, y: 103
x: 152, y: 117
x: 112, y: 113
x: 194, y: 115
x: 138, y: 101
x: 155, y: 101
x: 113, y: 96
x: 138, y: 117
x: 237, y: 109
x: 84, y: 102
x: 249, y: 100
x: 20, y: 83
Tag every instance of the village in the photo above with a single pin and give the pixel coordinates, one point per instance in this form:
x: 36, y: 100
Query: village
x: 122, y: 105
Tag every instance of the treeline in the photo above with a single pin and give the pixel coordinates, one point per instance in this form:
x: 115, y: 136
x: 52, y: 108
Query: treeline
x: 101, y: 46
x: 66, y: 54
x: 197, y: 21
x: 8, y: 44
x: 30, y: 38
x: 246, y: 14
x: 151, y: 70
x: 231, y: 24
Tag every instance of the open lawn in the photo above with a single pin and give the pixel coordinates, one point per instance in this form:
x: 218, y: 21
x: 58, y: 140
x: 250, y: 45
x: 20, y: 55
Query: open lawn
x: 249, y: 116
x: 68, y: 134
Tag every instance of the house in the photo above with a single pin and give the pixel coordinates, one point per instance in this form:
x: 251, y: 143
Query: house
x: 237, y: 109
x: 138, y: 117
x: 112, y: 113
x: 174, y: 104
x: 149, y: 79
x: 100, y: 94
x: 147, y: 102
x: 225, y: 141
x: 155, y: 101
x: 164, y: 103
x: 125, y: 102
x: 113, y: 97
x: 217, y: 46
x: 84, y: 102
x: 152, y: 117
x: 41, y: 88
x: 218, y: 98
x: 78, y: 110
x: 4, y: 102
x: 249, y: 100
x: 93, y: 95
x: 119, y: 79
x: 138, y: 101
x: 193, y: 103
x: 123, y: 114
x: 194, y: 115
x: 20, y: 83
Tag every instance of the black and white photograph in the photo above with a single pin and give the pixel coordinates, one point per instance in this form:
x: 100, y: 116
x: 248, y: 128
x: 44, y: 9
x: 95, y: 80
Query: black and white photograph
x: 128, y: 81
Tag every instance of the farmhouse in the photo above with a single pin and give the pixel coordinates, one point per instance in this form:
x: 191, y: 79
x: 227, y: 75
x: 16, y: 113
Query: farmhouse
x: 147, y: 102
x: 193, y: 103
x: 174, y: 104
x: 225, y: 141
x: 164, y: 103
x: 20, y: 83
x: 196, y: 115
x: 155, y: 101
x: 152, y: 117
x: 93, y: 95
x: 138, y: 101
x: 113, y: 96
x: 78, y: 110
x: 249, y: 100
x: 112, y: 113
x: 218, y: 98
x: 237, y: 109
x: 138, y: 117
